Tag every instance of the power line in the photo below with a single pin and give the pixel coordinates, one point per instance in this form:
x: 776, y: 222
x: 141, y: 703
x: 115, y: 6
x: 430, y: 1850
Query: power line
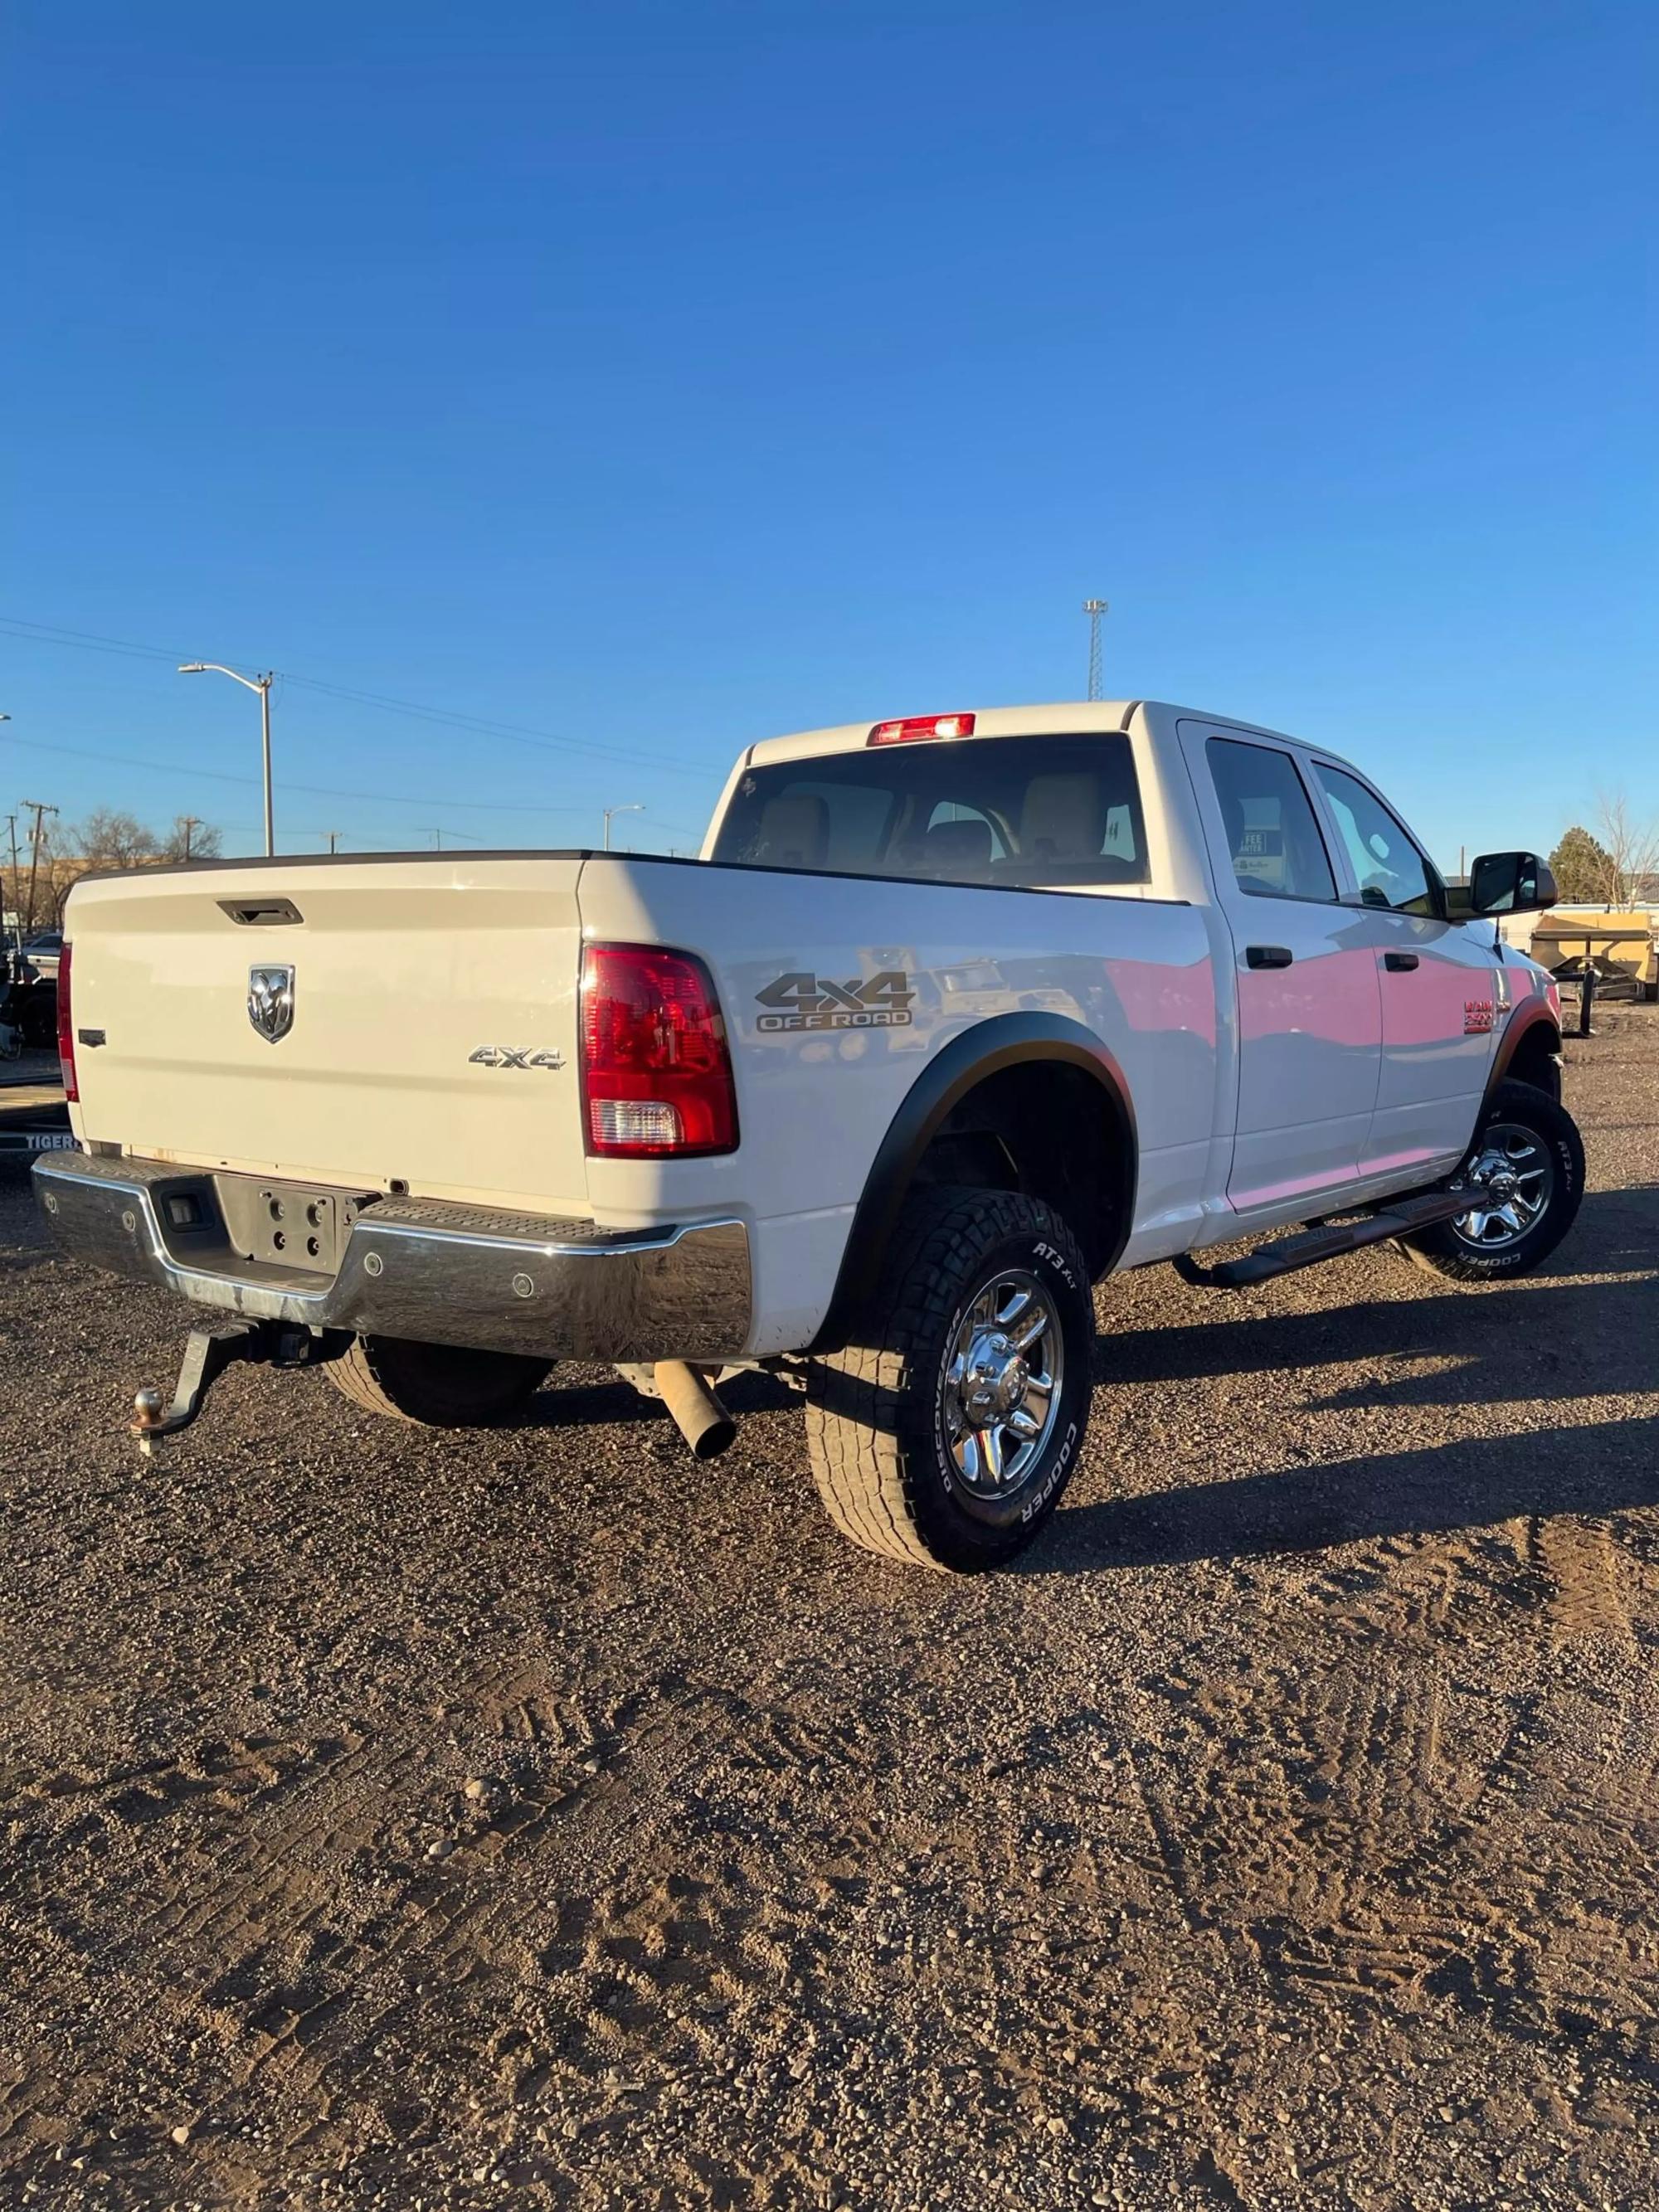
x: 312, y: 790
x: 514, y: 733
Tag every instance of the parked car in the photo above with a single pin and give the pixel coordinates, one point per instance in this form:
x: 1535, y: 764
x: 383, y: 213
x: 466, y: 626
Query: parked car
x: 40, y: 955
x: 956, y: 1015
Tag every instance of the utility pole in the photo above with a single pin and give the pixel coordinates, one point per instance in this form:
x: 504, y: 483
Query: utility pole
x: 187, y: 822
x: 38, y: 811
x: 11, y: 826
x: 332, y: 835
x: 437, y: 840
x: 11, y: 831
x: 1094, y: 609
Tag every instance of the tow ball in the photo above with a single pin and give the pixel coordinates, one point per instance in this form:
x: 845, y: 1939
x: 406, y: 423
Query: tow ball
x: 207, y: 1355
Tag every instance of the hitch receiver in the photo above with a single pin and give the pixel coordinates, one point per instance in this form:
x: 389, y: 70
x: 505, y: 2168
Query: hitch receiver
x: 207, y: 1355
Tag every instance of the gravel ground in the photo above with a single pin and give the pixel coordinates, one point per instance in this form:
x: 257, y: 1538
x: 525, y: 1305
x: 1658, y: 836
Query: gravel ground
x: 405, y: 1819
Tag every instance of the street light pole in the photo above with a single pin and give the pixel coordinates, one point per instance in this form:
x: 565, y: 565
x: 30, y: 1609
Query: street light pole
x: 636, y: 808
x: 261, y: 685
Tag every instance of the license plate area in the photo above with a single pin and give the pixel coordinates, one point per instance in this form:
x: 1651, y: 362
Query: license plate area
x: 287, y: 1224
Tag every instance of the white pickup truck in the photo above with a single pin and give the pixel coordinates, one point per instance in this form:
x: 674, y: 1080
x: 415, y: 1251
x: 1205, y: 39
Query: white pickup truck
x: 954, y: 1016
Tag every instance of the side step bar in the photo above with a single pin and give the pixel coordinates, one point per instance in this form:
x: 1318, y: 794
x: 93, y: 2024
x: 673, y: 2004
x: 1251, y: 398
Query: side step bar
x: 1325, y: 1241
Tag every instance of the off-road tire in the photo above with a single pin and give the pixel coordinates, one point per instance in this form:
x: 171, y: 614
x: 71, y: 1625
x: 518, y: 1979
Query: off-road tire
x: 874, y: 1419
x: 436, y: 1386
x: 1441, y: 1251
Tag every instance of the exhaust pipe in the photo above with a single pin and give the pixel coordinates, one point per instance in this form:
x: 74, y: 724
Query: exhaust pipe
x: 698, y: 1413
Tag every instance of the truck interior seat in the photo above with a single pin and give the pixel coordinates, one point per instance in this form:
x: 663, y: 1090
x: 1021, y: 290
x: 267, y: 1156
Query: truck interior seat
x: 958, y: 849
x: 794, y: 832
x: 1064, y: 817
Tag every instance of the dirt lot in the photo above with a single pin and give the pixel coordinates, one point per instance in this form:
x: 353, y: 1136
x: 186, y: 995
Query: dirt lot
x: 1283, y: 1833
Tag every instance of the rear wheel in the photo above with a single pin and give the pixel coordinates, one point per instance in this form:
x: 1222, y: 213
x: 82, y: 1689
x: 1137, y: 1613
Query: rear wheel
x: 438, y: 1386
x: 944, y: 1436
x: 1525, y: 1177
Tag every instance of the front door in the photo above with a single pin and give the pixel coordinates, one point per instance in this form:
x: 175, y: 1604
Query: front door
x: 1442, y: 988
x: 1310, y: 1010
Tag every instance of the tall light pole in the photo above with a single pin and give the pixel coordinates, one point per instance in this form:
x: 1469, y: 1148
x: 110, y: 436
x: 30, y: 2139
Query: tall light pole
x: 1094, y: 609
x: 636, y: 808
x: 261, y: 685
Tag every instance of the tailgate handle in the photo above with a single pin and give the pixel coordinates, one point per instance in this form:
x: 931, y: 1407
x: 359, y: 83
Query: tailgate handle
x: 261, y: 913
x: 1400, y: 963
x: 1268, y: 956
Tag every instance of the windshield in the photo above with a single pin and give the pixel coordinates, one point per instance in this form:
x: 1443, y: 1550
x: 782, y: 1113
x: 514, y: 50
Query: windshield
x: 1056, y: 812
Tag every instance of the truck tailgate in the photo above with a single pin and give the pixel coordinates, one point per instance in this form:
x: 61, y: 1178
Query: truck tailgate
x: 431, y: 1037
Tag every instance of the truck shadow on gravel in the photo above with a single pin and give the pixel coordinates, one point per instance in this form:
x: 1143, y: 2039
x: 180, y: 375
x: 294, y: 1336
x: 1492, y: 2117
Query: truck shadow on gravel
x: 1560, y: 1335
x: 1479, y: 1483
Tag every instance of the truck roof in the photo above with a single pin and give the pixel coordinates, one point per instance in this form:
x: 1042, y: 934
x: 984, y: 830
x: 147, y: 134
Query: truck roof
x: 1052, y: 717
x: 988, y: 722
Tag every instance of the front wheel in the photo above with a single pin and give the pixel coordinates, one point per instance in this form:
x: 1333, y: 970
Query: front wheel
x: 1525, y: 1176
x: 944, y: 1436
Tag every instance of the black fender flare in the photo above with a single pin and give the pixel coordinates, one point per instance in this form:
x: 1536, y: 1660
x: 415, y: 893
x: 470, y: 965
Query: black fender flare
x: 1510, y: 1043
x: 1004, y: 1041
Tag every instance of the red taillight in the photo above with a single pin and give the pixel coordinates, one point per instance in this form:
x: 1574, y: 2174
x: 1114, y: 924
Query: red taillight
x: 920, y: 726
x: 66, y: 1030
x: 656, y: 1072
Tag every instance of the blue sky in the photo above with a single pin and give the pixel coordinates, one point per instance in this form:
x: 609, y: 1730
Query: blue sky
x: 656, y: 378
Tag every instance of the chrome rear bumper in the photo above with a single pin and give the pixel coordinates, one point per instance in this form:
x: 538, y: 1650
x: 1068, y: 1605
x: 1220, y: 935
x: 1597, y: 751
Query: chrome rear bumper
x: 424, y: 1268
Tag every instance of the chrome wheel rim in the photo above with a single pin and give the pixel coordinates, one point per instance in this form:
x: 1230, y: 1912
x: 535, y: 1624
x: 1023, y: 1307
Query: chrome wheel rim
x: 1511, y: 1179
x: 1002, y: 1379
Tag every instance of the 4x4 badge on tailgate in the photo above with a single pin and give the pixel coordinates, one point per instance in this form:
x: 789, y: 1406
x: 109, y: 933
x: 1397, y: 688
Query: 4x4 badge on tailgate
x: 504, y: 1055
x: 270, y: 1001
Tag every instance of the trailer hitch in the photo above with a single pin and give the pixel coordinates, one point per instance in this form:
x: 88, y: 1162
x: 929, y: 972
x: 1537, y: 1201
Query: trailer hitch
x: 207, y: 1355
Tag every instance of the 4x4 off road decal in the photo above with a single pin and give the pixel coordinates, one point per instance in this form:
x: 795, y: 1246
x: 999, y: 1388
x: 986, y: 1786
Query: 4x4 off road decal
x: 811, y: 1002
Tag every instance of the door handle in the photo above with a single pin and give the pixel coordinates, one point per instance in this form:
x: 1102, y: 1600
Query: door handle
x: 1268, y: 956
x: 1400, y: 963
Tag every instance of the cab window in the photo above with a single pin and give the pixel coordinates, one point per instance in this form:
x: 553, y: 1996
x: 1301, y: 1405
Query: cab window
x: 1388, y: 867
x: 1059, y: 812
x: 1272, y: 832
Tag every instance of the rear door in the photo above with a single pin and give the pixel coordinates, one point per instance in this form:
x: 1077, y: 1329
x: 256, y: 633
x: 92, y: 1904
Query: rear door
x: 1310, y: 1011
x: 1440, y: 983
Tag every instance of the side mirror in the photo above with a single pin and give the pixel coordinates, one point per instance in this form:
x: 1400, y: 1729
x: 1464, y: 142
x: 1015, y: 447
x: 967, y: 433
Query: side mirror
x: 1510, y: 882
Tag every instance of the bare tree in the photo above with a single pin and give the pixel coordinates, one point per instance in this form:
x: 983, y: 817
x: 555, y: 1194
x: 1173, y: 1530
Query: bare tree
x: 109, y: 838
x: 1631, y: 848
x: 190, y: 839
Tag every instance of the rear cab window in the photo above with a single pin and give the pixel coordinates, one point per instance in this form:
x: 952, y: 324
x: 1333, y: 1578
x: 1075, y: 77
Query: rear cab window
x: 1039, y: 812
x: 1272, y: 832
